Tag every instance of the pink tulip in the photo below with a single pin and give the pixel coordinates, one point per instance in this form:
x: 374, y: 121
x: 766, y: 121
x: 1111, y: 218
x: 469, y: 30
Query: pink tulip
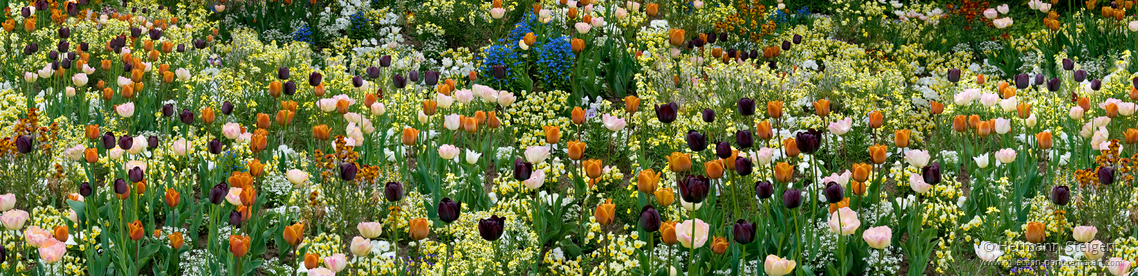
x: 125, y: 110
x: 7, y: 201
x: 360, y: 246
x: 14, y: 219
x: 692, y: 233
x: 878, y: 237
x: 337, y: 262
x: 51, y: 251
x: 35, y: 236
x: 844, y: 221
x: 234, y: 196
x: 370, y: 230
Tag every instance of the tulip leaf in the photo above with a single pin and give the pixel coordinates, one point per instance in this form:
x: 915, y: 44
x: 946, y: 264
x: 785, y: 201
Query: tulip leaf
x: 80, y: 209
x: 569, y: 247
x: 146, y: 252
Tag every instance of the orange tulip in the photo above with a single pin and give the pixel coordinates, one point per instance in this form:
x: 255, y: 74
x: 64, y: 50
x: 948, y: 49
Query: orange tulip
x: 410, y: 136
x: 783, y: 172
x: 577, y: 45
x: 714, y: 168
x: 774, y: 109
x: 729, y: 162
x: 791, y: 147
x: 1085, y: 103
x: 294, y: 234
x: 176, y: 240
x: 651, y: 9
x: 1023, y: 110
x: 1112, y: 110
x: 93, y: 132
x: 60, y: 233
x: 679, y: 162
x: 719, y: 245
x: 172, y: 197
x: 974, y: 121
x: 593, y: 168
x: 1133, y: 94
x: 529, y: 38
x: 275, y: 88
x: 492, y: 120
x: 763, y: 130
x: 418, y: 228
x: 259, y: 141
x: 140, y: 187
x: 552, y: 134
x: 936, y: 108
x: 877, y: 154
x: 578, y: 115
x: 256, y: 168
x: 841, y: 204
x: 342, y: 106
x: 576, y: 150
x: 980, y: 79
x: 876, y: 119
x: 984, y: 128
x: 135, y: 230
x: 208, y: 116
x: 239, y: 245
x: 858, y: 187
x: 901, y: 138
x: 676, y: 37
x: 311, y: 260
x: 959, y: 123
x: 1131, y: 136
x: 647, y: 180
x: 1044, y: 140
x: 822, y: 108
x: 631, y: 104
x: 861, y: 171
x: 665, y: 197
x: 668, y: 232
x: 480, y: 117
x: 91, y: 155
x: 1036, y: 232
x: 605, y: 212
x: 318, y: 90
x: 321, y: 132
x: 263, y: 121
x: 429, y: 107
x: 284, y: 117
x: 469, y: 124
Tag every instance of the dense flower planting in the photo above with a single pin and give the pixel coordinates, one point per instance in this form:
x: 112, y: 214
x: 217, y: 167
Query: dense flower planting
x: 560, y: 137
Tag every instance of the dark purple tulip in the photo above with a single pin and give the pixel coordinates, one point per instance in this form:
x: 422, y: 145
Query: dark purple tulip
x: 348, y: 171
x: 746, y: 106
x: 1022, y: 81
x: 413, y: 76
x: 357, y: 81
x: 186, y: 116
x: 834, y: 192
x: 1080, y: 75
x: 491, y: 228
x: 743, y: 166
x: 797, y: 39
x: 199, y: 44
x: 449, y: 210
x: 289, y: 88
x: 649, y: 219
x: 785, y: 45
x: 85, y: 189
x: 1096, y: 84
x: 522, y: 169
x: 667, y: 113
x: 1053, y: 85
x: 1134, y: 82
x: 498, y: 71
x: 31, y: 49
x: 121, y: 187
x: 711, y: 38
x: 1106, y: 175
x: 1060, y: 195
x: 64, y: 32
x: 744, y: 231
x: 135, y: 32
x: 732, y: 53
x: 723, y: 36
x: 1068, y: 64
x: 399, y: 81
x: 53, y: 55
x: 792, y: 198
x: 214, y: 146
x: 66, y: 64
x: 744, y: 139
x: 954, y: 75
x: 708, y: 115
x: 393, y: 191
x: 698, y: 42
x: 152, y: 141
x: 372, y: 72
x: 181, y: 48
x: 691, y: 44
x: 26, y: 12
x: 282, y: 73
x: 108, y: 140
x: 773, y: 65
x: 226, y: 108
x: 24, y: 144
x: 384, y: 61
x: 723, y: 150
x: 125, y: 142
x: 931, y: 174
x: 127, y: 67
x: 72, y: 10
x: 71, y: 56
x: 696, y: 141
x: 135, y: 174
x: 431, y: 77
x: 694, y: 189
x: 167, y: 110
x: 754, y: 54
x: 808, y: 141
x: 234, y: 218
x: 155, y: 33
x: 764, y: 189
x: 1039, y: 79
x: 217, y: 193
x: 315, y: 78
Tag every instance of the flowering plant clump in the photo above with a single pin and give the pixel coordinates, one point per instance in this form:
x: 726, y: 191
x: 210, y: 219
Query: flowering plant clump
x: 586, y: 137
